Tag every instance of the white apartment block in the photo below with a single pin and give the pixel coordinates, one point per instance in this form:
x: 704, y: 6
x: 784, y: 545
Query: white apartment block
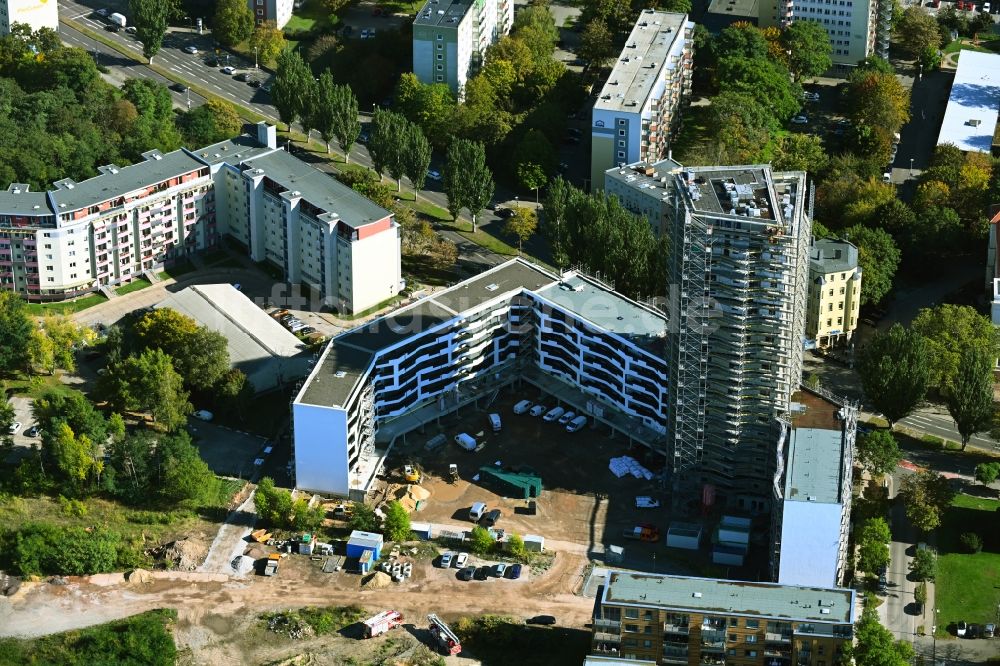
x: 594, y: 350
x: 856, y: 28
x: 811, y: 521
x: 738, y: 283
x: 639, y: 108
x: 279, y: 11
x: 450, y: 38
x: 35, y: 13
x: 110, y: 229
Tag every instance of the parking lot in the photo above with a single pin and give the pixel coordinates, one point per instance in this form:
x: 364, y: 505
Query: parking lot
x: 23, y: 416
x: 226, y: 451
x: 582, y: 501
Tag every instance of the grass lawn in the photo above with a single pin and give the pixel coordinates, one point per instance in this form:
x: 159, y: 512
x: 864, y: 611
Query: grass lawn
x: 65, y: 307
x: 36, y: 385
x: 965, y: 44
x: 968, y: 585
x: 375, y: 308
x: 695, y: 130
x: 135, y: 285
x: 401, y: 6
x: 310, y: 15
x: 176, y: 270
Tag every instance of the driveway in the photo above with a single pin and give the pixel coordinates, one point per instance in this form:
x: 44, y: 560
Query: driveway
x: 22, y: 414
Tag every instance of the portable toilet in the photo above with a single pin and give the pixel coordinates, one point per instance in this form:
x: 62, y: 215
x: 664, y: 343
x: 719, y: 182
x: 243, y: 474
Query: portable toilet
x: 359, y: 542
x: 365, y: 562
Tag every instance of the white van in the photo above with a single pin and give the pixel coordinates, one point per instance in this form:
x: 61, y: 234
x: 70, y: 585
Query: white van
x: 467, y: 442
x: 576, y: 424
x: 477, y: 511
x: 495, y: 422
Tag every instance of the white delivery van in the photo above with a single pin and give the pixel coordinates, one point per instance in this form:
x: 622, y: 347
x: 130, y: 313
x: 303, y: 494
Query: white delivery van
x: 576, y: 424
x: 477, y: 511
x: 467, y: 442
x: 495, y: 422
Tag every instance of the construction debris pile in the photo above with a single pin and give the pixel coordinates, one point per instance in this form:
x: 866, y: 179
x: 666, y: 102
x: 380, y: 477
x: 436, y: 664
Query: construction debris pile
x: 289, y: 624
x: 184, y: 554
x: 9, y: 585
x: 629, y: 465
x: 376, y: 581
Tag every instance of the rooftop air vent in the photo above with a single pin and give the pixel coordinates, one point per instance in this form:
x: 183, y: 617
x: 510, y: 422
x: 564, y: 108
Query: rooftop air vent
x: 340, y: 374
x: 696, y: 595
x: 492, y: 287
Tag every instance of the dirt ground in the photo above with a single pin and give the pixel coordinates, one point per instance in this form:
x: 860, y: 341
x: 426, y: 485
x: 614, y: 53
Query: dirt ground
x: 581, y: 501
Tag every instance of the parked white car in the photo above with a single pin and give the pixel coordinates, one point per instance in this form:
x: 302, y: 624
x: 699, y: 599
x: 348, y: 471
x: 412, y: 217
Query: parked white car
x: 566, y: 418
x: 554, y: 413
x: 537, y: 410
x: 523, y: 406
x: 576, y: 424
x: 461, y: 560
x: 15, y: 427
x: 800, y: 120
x: 204, y: 415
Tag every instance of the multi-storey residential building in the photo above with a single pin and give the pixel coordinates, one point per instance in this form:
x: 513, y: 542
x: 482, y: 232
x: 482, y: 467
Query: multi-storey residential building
x: 712, y: 622
x: 834, y: 292
x: 279, y: 11
x: 110, y: 229
x: 591, y: 348
x: 856, y: 28
x: 34, y: 13
x: 811, y: 514
x: 450, y: 38
x: 638, y: 109
x: 738, y: 276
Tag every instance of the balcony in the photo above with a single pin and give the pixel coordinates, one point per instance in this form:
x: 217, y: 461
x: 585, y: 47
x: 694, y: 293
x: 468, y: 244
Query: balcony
x: 772, y: 637
x: 613, y: 625
x: 712, y: 660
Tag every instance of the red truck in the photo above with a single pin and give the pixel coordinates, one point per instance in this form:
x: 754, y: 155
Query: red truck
x: 643, y: 532
x: 383, y: 622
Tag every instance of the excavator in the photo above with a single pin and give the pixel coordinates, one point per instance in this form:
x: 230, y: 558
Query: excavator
x: 411, y: 473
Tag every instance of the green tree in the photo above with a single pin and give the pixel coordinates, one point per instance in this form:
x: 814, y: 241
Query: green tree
x: 515, y: 546
x: 949, y: 330
x: 346, y: 126
x: 293, y: 82
x: 467, y: 180
x: 268, y: 40
x: 416, y: 157
x: 199, y: 354
x: 522, y: 225
x: 481, y: 542
x: 150, y: 20
x: 386, y: 144
x: 554, y: 229
x: 305, y: 518
x: 213, y: 121
x: 800, y: 152
x: 740, y: 41
x: 894, y: 371
x: 969, y: 397
x: 874, y: 645
x: 596, y: 44
x: 986, y: 473
x: 920, y: 593
x: 397, y: 522
x: 70, y: 407
x: 273, y: 504
x: 76, y: 458
x: 182, y: 474
x: 873, y: 546
x: 917, y: 31
x: 924, y: 564
x: 762, y: 77
x: 323, y: 116
x: 971, y: 542
x: 234, y: 393
x: 15, y: 332
x: 742, y: 127
x: 363, y: 518
x: 233, y: 22
x: 148, y: 383
x: 809, y: 46
x: 878, y: 452
x: 878, y: 258
x: 925, y: 495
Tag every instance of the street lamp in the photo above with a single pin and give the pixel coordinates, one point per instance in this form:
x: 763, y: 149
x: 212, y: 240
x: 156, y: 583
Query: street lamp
x: 188, y: 91
x: 255, y: 57
x: 911, y: 166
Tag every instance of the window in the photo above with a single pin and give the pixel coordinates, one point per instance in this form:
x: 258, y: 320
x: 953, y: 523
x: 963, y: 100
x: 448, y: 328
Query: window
x: 49, y: 268
x: 648, y: 629
x: 621, y: 132
x: 754, y: 624
x: 632, y: 613
x: 440, y: 46
x: 751, y: 653
x: 48, y: 246
x: 842, y: 290
x: 820, y: 649
x: 734, y: 622
x: 440, y: 37
x: 621, y: 144
x: 440, y: 56
x: 439, y: 68
x: 829, y: 307
x: 621, y: 154
x: 829, y: 322
x: 632, y: 628
x: 647, y: 644
x: 621, y: 122
x: 260, y: 12
x: 733, y: 638
x: 840, y: 320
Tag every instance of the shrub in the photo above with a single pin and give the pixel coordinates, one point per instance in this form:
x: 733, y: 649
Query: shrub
x: 481, y: 541
x: 397, y: 522
x: 971, y: 542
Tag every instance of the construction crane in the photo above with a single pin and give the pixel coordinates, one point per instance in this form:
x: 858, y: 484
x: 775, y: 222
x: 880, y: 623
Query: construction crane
x: 443, y: 634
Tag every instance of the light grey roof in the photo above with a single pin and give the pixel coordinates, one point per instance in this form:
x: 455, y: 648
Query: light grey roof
x: 745, y: 9
x: 365, y: 538
x: 645, y: 54
x: 234, y: 151
x: 810, y: 543
x: 730, y: 597
x: 829, y: 255
x: 319, y: 189
x: 511, y: 276
x: 443, y: 13
x: 258, y: 345
x: 814, y: 457
x: 970, y: 119
x: 608, y: 310
x: 651, y: 179
x: 19, y: 200
x: 115, y: 181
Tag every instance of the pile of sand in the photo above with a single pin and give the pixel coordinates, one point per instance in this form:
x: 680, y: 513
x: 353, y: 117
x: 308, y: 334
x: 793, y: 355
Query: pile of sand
x: 376, y: 581
x: 186, y: 554
x: 140, y: 577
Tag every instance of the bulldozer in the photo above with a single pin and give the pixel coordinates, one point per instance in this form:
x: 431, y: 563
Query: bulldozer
x: 411, y: 473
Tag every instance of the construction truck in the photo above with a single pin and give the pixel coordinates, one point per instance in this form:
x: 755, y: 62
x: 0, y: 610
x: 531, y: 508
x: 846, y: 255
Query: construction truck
x: 383, y: 622
x: 411, y: 474
x: 445, y: 637
x: 271, y: 567
x: 452, y: 473
x: 644, y: 532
